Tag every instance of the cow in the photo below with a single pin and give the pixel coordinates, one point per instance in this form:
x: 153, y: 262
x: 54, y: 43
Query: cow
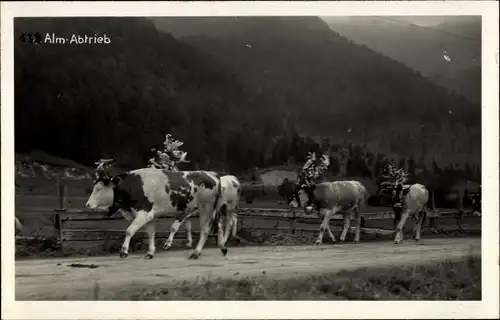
x: 329, y: 198
x: 229, y: 203
x: 410, y: 200
x: 145, y: 194
x: 18, y: 226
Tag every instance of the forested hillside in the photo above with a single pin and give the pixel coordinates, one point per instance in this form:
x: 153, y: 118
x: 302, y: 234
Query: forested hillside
x: 248, y: 92
x: 88, y: 101
x: 328, y: 86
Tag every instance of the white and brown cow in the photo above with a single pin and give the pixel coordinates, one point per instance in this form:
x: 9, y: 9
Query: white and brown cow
x: 145, y: 194
x: 228, y: 216
x: 330, y: 198
x: 410, y: 200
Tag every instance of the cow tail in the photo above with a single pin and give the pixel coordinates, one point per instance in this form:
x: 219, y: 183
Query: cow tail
x: 218, y: 197
x: 364, y: 199
x: 426, y: 207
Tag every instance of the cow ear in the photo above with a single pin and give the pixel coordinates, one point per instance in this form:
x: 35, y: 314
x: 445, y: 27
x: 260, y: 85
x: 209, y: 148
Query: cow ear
x: 117, y: 178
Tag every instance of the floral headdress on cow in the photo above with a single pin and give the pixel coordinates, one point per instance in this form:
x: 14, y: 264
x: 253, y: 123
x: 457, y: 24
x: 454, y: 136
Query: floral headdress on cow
x: 102, y: 170
x: 390, y: 176
x: 312, y: 170
x: 170, y: 157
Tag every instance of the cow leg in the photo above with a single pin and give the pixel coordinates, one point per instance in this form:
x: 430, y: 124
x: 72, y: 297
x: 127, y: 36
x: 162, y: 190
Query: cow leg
x: 347, y: 224
x: 229, y: 224
x: 399, y: 230
x: 141, y: 219
x: 358, y: 225
x: 397, y: 217
x: 234, y: 229
x: 207, y: 218
x: 234, y: 223
x: 325, y: 225
x: 179, y: 220
x: 330, y: 232
x: 189, y: 235
x: 419, y: 223
x: 151, y: 230
x: 322, y: 227
x: 220, y: 237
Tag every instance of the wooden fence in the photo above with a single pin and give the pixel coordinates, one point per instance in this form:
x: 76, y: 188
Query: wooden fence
x: 84, y: 228
x: 96, y: 228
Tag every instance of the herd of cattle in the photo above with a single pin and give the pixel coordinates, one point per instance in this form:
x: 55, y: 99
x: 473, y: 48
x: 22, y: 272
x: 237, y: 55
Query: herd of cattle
x: 145, y: 194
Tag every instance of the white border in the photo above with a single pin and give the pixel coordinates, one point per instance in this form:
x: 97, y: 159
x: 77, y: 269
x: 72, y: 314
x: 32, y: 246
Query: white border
x: 487, y: 308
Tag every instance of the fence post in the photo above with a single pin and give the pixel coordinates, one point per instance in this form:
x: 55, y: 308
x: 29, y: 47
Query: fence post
x: 293, y: 222
x: 239, y: 226
x: 58, y: 223
x: 460, y: 209
x: 61, y: 194
x: 433, y: 218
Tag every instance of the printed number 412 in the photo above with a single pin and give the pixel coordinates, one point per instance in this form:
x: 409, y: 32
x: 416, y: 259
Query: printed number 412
x: 31, y: 37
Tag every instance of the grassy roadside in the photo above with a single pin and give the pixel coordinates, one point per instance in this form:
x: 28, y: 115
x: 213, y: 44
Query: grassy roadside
x: 448, y: 280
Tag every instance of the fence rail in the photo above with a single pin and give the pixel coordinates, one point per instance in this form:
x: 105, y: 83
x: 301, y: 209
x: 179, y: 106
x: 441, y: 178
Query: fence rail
x: 77, y: 226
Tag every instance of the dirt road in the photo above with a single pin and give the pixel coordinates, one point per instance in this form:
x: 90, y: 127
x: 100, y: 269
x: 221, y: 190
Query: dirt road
x: 54, y: 278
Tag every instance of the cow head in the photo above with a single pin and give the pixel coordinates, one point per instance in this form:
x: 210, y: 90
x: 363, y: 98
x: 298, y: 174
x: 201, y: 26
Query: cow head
x: 398, y: 194
x: 302, y: 191
x: 102, y: 194
x: 294, y: 197
x: 306, y: 181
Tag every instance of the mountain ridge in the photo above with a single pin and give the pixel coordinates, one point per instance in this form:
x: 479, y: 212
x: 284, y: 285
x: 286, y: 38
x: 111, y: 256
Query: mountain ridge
x: 421, y: 47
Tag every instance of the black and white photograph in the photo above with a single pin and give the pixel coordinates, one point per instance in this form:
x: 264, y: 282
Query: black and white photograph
x: 244, y: 156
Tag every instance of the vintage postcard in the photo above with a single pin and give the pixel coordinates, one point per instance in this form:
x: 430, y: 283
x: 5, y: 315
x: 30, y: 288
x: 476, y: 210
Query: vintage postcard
x: 250, y: 160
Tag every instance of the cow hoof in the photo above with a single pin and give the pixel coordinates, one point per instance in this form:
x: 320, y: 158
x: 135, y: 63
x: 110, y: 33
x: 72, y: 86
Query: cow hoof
x: 165, y: 247
x: 355, y: 241
x: 188, y: 245
x: 397, y: 242
x: 224, y: 251
x: 318, y: 243
x: 194, y: 256
x: 123, y: 254
x: 148, y: 256
x: 340, y: 242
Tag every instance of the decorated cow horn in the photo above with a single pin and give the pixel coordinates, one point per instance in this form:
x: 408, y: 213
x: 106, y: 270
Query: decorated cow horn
x: 103, y: 164
x: 325, y: 160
